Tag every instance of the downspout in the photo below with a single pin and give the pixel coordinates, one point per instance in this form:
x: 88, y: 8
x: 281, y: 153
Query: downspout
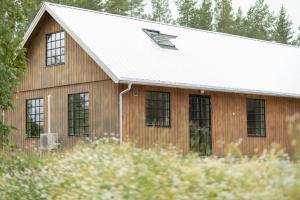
x: 121, y: 110
x: 49, y: 113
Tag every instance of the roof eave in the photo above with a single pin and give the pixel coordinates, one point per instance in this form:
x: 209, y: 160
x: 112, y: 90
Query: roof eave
x: 34, y: 23
x: 206, y: 88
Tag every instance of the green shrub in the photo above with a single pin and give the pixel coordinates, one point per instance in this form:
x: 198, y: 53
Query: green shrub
x: 108, y: 171
x: 13, y: 160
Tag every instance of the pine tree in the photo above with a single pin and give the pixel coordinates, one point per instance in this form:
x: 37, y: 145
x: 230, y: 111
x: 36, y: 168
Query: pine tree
x: 120, y: 7
x: 185, y: 9
x: 239, y: 24
x: 87, y: 4
x: 283, y: 27
x: 297, y: 40
x: 161, y: 11
x: 202, y: 17
x: 136, y: 8
x: 224, y: 16
x: 259, y: 22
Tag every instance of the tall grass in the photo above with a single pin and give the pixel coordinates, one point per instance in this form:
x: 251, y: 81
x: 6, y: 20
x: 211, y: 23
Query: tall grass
x: 102, y: 170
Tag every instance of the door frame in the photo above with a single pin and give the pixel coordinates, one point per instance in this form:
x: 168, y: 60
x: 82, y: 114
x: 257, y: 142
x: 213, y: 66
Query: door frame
x: 210, y: 119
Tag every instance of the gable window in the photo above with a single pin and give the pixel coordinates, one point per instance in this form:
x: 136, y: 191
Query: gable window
x: 158, y: 109
x: 163, y: 40
x: 256, y: 117
x: 55, y: 48
x: 78, y: 114
x: 34, y: 117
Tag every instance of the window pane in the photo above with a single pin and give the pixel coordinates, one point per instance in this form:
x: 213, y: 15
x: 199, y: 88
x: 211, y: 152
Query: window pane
x: 57, y: 36
x: 52, y: 45
x: 55, y: 49
x: 78, y: 114
x: 49, y: 38
x: 256, y: 117
x: 57, y: 43
x: 158, y: 109
x: 34, y: 117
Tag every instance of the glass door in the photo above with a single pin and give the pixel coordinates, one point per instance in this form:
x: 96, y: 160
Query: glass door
x: 200, y: 124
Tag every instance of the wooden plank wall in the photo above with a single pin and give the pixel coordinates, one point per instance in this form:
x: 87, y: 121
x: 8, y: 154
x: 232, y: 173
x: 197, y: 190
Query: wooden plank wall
x: 103, y: 112
x: 79, y: 74
x: 78, y: 67
x: 134, y: 119
x: 229, y: 121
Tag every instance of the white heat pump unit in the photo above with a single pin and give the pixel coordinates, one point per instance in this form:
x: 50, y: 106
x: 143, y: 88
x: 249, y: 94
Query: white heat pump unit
x: 49, y: 141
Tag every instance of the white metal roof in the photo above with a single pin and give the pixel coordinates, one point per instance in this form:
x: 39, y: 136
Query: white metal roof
x: 204, y: 60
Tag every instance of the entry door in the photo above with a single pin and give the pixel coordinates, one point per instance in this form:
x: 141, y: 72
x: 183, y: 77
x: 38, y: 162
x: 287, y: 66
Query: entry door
x: 200, y: 125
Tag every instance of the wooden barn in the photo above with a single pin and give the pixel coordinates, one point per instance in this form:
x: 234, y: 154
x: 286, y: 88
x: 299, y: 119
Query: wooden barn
x: 91, y: 73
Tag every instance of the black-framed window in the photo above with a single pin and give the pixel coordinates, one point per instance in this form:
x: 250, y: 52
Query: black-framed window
x: 34, y: 117
x: 55, y: 48
x: 256, y: 124
x: 78, y: 114
x: 158, y: 109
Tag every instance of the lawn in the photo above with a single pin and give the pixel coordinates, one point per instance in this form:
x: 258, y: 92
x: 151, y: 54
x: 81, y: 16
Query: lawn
x: 102, y: 170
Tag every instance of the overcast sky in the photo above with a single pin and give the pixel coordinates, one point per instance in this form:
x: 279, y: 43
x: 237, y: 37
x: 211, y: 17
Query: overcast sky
x: 292, y: 6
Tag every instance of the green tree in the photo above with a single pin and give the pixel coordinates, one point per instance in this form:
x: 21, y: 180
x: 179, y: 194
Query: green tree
x: 202, y: 17
x: 239, y: 23
x: 161, y: 11
x: 14, y: 16
x: 185, y: 9
x: 136, y: 8
x: 259, y: 22
x: 283, y: 28
x: 87, y: 4
x: 120, y: 7
x: 224, y: 16
x: 297, y: 40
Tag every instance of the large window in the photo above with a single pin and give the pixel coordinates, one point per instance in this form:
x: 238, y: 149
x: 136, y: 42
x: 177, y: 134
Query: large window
x: 34, y: 117
x: 158, y: 109
x: 55, y: 48
x: 78, y: 114
x: 256, y: 117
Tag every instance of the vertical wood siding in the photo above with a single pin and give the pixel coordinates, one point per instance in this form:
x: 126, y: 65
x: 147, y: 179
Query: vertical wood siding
x: 229, y: 121
x: 78, y: 67
x: 103, y: 112
x: 134, y: 123
x: 79, y: 74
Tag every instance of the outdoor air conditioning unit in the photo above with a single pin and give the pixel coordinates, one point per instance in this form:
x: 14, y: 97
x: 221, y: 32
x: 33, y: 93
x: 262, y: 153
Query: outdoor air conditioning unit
x: 49, y: 141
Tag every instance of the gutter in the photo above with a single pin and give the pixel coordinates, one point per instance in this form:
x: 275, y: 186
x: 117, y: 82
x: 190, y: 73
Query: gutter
x: 208, y: 88
x: 121, y: 110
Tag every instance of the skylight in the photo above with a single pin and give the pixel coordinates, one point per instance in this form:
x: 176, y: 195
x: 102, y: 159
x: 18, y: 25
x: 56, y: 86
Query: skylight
x: 163, y: 40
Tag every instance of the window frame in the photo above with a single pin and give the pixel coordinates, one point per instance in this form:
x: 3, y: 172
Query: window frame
x: 150, y: 32
x: 169, y: 110
x: 264, y: 119
x: 84, y: 119
x: 27, y: 117
x: 46, y: 49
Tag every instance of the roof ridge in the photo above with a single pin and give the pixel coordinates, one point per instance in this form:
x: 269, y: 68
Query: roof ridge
x: 174, y: 25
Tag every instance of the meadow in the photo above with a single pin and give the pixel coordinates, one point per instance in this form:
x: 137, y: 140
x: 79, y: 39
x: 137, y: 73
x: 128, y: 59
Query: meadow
x: 106, y: 170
